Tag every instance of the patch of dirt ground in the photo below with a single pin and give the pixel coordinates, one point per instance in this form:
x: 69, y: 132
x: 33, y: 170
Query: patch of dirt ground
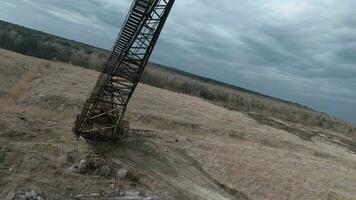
x: 182, y: 147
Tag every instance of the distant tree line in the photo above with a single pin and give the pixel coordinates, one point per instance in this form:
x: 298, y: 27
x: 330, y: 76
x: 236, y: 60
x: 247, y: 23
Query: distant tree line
x: 243, y: 101
x: 42, y: 45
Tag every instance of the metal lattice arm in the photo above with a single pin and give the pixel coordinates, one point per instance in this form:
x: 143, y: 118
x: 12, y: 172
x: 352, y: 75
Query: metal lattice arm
x: 104, y: 110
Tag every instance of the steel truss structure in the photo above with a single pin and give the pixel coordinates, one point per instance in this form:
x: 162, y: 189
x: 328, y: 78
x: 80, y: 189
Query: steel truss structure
x: 103, y: 112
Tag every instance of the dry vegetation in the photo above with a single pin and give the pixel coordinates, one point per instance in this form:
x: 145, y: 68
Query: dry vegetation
x: 242, y: 100
x: 189, y: 149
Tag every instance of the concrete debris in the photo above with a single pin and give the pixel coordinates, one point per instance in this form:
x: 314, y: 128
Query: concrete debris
x: 95, y: 161
x: 91, y: 166
x: 122, y: 173
x: 138, y: 117
x: 83, y: 166
x: 105, y: 171
x: 33, y: 194
x: 21, y: 195
x: 74, y: 169
x: 28, y: 196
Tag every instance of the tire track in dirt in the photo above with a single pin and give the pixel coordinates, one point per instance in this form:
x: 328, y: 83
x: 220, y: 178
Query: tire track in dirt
x: 169, y: 169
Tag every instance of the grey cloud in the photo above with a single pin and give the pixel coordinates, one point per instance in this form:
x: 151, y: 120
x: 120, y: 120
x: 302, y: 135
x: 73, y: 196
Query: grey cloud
x: 347, y: 55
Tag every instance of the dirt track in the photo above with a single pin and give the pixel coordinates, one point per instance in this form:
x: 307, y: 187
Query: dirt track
x: 192, y: 149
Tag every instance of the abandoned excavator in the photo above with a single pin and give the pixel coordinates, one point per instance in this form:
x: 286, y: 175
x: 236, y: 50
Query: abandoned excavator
x: 102, y: 114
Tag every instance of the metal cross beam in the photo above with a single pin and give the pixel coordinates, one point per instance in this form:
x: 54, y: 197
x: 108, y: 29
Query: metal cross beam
x: 104, y: 110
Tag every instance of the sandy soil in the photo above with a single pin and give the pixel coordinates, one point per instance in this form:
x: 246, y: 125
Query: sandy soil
x: 187, y: 148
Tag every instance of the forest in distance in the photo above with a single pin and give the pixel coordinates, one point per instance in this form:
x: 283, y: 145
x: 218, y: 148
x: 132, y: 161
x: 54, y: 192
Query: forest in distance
x: 46, y: 46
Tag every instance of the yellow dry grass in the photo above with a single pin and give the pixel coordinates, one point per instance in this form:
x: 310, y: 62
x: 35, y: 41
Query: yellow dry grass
x: 191, y: 140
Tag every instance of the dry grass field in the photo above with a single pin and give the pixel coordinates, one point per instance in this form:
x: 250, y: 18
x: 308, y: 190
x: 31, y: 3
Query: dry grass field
x: 187, y: 148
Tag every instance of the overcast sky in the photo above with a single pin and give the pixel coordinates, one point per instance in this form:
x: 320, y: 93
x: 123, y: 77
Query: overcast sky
x: 299, y: 50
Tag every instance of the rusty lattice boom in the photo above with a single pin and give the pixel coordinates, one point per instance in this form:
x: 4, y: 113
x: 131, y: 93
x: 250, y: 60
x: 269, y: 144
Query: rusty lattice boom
x: 103, y: 111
